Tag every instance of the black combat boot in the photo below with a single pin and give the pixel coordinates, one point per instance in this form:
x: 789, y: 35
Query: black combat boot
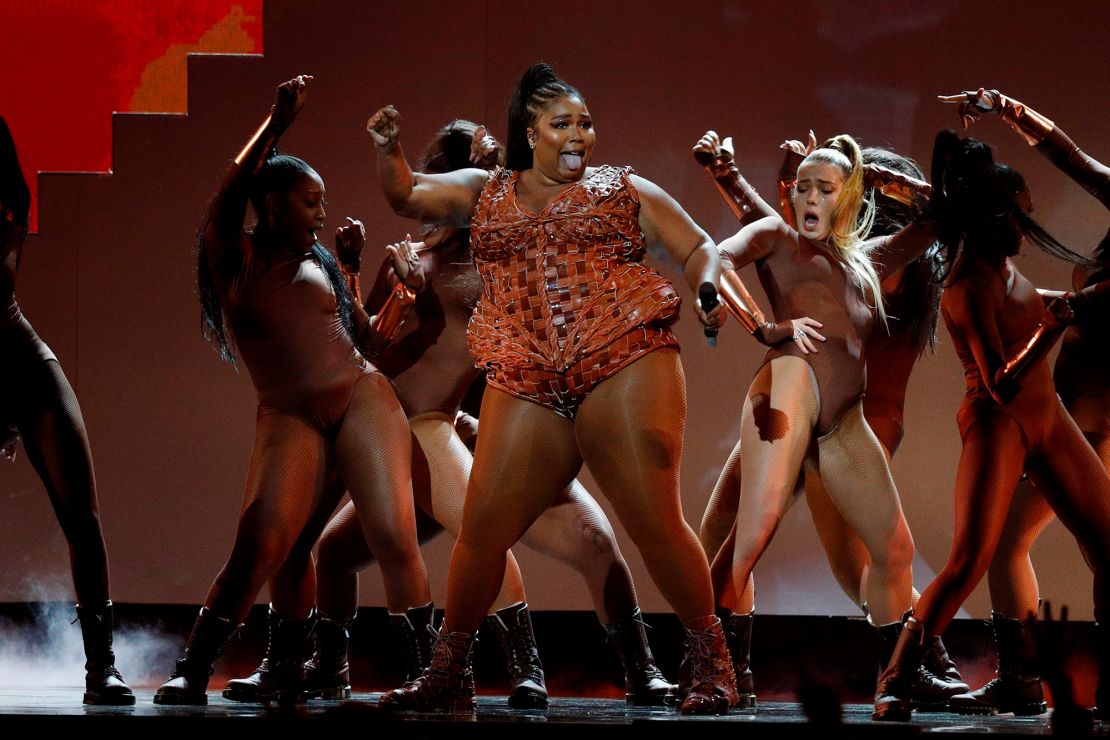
x: 1016, y: 687
x: 513, y: 628
x: 327, y: 673
x: 738, y: 635
x: 417, y: 627
x: 905, y: 685
x: 189, y: 681
x: 937, y: 662
x: 103, y: 683
x: 644, y: 684
x: 280, y: 677
x: 1101, y: 709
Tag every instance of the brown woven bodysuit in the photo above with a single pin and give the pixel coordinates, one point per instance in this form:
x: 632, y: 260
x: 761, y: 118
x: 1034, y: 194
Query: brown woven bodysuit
x: 566, y: 301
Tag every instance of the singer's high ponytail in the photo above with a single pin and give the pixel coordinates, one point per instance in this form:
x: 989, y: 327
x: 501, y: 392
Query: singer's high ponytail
x: 538, y: 88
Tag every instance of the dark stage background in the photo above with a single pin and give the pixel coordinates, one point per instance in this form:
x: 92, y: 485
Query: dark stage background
x: 108, y: 280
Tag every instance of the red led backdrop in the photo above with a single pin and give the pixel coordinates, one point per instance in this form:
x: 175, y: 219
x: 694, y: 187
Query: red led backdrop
x: 108, y: 280
x: 77, y: 62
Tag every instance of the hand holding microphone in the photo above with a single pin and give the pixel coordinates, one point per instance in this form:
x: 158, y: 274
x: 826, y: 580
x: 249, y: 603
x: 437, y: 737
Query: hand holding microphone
x: 707, y: 299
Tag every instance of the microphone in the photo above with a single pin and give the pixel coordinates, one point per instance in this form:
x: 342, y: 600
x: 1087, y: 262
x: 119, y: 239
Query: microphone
x: 707, y: 299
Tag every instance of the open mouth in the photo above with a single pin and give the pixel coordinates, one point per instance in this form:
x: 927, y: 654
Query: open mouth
x: 810, y: 221
x: 572, y: 160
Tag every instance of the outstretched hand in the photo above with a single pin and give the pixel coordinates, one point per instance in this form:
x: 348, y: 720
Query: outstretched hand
x: 406, y: 263
x: 290, y: 99
x: 350, y: 238
x: 483, y: 149
x: 793, y: 145
x: 385, y: 126
x: 972, y: 103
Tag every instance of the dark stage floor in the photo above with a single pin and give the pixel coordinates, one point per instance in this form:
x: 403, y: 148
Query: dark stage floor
x: 59, y: 709
x: 830, y: 662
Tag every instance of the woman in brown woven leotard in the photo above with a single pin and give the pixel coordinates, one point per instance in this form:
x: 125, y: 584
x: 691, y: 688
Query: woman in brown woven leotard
x: 574, y: 333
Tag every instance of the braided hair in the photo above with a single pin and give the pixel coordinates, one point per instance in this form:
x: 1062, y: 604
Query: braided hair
x: 538, y: 88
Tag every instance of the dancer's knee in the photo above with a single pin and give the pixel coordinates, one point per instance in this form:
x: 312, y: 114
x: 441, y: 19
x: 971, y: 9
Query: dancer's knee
x: 755, y: 535
x: 964, y: 570
x: 341, y: 552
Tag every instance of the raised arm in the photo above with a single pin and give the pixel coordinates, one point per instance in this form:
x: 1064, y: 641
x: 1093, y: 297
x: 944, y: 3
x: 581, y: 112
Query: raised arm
x: 897, y: 186
x: 350, y: 238
x: 381, y: 317
x: 794, y: 152
x: 665, y: 223
x: 891, y: 253
x: 223, y: 238
x: 447, y: 198
x: 1038, y: 131
x: 717, y: 157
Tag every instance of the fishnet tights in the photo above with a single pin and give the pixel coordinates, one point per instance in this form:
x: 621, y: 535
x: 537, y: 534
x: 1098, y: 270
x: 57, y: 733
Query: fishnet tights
x: 1066, y: 472
x: 286, y: 492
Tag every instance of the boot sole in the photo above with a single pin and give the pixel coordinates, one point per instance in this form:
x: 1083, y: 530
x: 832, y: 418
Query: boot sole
x: 527, y: 700
x: 458, y: 706
x: 714, y: 708
x: 172, y: 700
x: 337, y: 693
x: 649, y: 700
x: 973, y: 711
x: 894, y: 712
x: 1028, y: 710
x: 747, y: 701
x: 100, y: 700
x: 277, y: 697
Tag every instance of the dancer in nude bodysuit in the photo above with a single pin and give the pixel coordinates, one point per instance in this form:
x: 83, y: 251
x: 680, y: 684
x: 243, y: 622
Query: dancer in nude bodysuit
x: 321, y: 404
x: 912, y: 298
x: 432, y: 372
x: 804, y: 406
x: 1083, y: 384
x: 1011, y: 420
x: 39, y: 405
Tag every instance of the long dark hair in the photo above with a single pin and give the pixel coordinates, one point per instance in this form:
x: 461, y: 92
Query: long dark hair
x: 278, y: 174
x: 975, y: 202
x: 449, y: 149
x: 537, y: 89
x: 919, y: 291
x: 14, y: 193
